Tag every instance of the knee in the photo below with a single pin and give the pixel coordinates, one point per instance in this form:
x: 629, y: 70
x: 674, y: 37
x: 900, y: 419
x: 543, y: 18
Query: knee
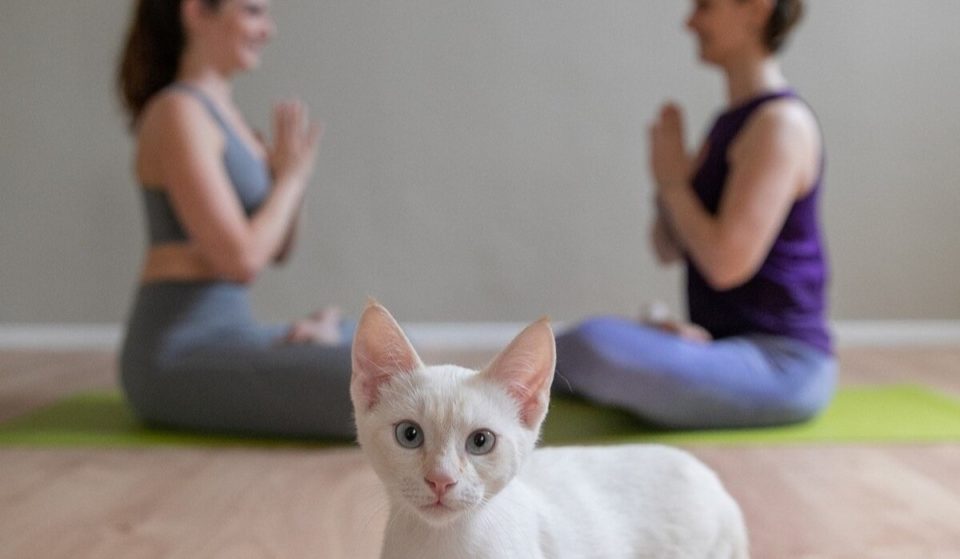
x: 596, y: 327
x: 598, y: 331
x: 812, y: 397
x: 808, y: 405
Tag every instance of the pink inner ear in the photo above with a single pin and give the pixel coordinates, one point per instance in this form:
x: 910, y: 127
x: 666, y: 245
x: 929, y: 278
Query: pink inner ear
x: 374, y: 372
x: 525, y: 368
x: 533, y: 402
x: 370, y: 388
x: 380, y: 351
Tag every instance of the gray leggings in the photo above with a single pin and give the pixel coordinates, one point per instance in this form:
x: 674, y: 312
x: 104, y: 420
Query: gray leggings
x: 193, y: 357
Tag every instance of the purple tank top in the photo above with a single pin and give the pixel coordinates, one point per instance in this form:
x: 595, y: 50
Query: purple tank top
x: 787, y: 295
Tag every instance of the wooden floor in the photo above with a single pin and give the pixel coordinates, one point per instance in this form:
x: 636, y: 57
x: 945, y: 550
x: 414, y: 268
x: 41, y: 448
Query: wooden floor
x: 850, y: 501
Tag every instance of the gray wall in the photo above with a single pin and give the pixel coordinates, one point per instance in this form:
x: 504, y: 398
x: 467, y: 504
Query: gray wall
x: 485, y: 160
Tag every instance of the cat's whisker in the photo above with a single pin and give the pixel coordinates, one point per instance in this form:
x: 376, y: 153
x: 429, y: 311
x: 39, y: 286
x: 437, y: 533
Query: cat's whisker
x: 374, y: 504
x: 498, y: 526
x: 557, y: 375
x: 519, y: 503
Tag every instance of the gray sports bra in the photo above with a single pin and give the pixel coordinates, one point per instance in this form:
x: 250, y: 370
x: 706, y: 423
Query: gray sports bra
x: 248, y: 174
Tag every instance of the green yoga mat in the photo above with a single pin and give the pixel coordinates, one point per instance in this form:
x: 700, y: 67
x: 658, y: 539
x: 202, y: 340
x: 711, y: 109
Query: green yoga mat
x: 887, y: 414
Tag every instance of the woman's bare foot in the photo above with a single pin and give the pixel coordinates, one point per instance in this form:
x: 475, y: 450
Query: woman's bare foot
x: 657, y: 315
x: 685, y: 330
x: 320, y: 327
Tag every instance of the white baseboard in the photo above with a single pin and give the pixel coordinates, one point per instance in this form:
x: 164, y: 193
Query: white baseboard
x: 60, y: 336
x: 879, y: 333
x: 482, y: 336
x: 432, y: 335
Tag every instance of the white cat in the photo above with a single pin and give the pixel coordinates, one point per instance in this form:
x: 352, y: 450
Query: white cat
x: 455, y: 450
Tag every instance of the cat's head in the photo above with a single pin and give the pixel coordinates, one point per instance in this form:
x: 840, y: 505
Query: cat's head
x: 445, y: 439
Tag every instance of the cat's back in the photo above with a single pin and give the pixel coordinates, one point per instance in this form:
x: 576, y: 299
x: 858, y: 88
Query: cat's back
x: 648, y: 498
x: 635, y: 466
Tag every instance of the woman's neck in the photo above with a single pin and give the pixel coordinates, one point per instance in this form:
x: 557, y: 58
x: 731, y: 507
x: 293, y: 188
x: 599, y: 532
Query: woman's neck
x: 753, y: 76
x: 206, y: 76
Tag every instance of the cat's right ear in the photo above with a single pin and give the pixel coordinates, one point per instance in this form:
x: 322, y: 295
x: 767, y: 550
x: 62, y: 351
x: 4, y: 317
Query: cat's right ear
x: 380, y: 351
x: 526, y: 369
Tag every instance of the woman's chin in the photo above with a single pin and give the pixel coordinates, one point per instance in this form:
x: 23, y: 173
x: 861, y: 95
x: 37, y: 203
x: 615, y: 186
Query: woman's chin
x: 707, y: 57
x: 249, y: 61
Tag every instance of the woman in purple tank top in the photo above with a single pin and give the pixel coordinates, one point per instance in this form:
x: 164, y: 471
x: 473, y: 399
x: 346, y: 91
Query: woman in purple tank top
x: 742, y: 215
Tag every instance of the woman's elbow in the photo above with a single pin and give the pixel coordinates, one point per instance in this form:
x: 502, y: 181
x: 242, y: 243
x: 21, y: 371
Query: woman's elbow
x: 240, y: 268
x: 727, y: 275
x: 245, y: 276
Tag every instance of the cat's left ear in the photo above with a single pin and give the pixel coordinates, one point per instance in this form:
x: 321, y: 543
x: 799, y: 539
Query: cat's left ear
x: 525, y: 369
x: 380, y: 351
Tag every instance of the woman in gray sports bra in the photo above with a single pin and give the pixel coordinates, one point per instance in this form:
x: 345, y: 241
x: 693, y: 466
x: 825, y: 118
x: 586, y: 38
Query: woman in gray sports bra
x: 219, y: 208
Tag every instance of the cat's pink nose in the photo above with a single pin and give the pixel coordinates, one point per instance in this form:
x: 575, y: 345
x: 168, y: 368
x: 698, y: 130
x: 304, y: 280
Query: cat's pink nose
x: 439, y: 483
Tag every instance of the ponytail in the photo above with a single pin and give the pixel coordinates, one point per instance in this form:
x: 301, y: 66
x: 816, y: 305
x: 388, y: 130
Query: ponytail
x: 151, y: 54
x: 784, y: 17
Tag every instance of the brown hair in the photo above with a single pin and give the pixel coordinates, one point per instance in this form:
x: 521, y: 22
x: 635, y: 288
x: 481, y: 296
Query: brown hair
x: 783, y: 18
x: 151, y: 53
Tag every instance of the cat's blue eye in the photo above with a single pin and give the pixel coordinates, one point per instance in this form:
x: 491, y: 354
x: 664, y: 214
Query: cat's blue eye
x: 409, y: 434
x: 481, y: 442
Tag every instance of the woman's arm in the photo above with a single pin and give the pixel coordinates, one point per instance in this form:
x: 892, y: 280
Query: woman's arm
x: 290, y: 240
x: 662, y: 239
x: 189, y: 147
x: 770, y: 166
x: 286, y: 249
x: 285, y: 145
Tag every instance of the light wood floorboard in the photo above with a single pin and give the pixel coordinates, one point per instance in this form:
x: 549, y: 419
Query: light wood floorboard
x: 815, y: 501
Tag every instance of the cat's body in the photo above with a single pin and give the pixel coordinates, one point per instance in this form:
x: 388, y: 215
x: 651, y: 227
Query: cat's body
x: 455, y: 450
x: 627, y: 501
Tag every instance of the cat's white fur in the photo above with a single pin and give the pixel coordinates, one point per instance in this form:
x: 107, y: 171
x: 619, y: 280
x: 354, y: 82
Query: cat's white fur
x: 610, y: 502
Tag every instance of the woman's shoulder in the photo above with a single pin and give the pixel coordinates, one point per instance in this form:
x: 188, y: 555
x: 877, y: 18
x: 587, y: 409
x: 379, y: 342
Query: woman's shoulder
x: 174, y: 125
x: 785, y: 129
x: 785, y: 114
x: 786, y: 119
x: 173, y: 110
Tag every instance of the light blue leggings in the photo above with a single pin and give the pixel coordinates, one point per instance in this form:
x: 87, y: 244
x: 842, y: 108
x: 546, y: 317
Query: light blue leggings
x: 753, y: 380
